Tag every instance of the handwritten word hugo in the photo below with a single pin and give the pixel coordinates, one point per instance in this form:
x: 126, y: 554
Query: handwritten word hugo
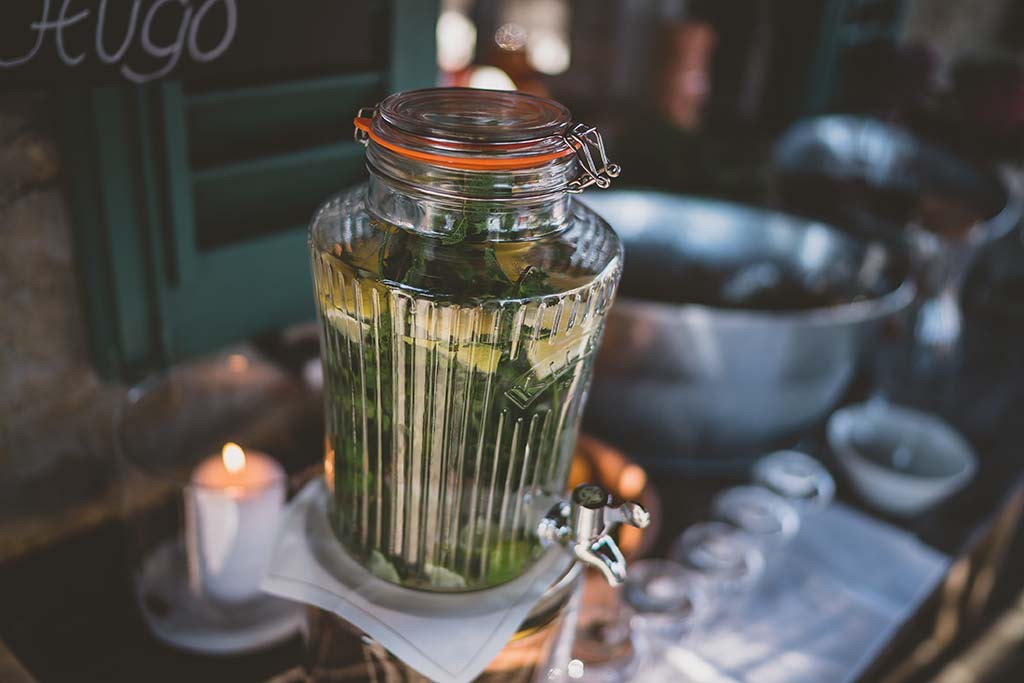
x: 189, y: 20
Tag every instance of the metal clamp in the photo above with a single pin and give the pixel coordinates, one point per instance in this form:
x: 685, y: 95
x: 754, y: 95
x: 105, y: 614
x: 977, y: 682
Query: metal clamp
x: 583, y: 524
x: 360, y: 135
x: 582, y: 140
x: 585, y: 141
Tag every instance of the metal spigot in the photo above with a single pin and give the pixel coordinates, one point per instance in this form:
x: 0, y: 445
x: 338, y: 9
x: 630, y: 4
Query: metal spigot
x: 582, y: 526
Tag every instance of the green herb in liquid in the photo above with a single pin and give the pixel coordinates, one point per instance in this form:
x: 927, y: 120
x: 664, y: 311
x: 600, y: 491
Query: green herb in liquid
x: 455, y: 371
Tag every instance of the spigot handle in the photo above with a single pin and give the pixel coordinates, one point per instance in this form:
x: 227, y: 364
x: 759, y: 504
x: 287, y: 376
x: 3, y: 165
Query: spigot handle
x: 630, y: 513
x: 582, y: 526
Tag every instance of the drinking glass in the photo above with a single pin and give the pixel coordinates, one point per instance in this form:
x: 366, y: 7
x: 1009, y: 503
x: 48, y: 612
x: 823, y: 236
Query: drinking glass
x: 668, y: 600
x: 764, y: 515
x: 797, y: 477
x: 728, y: 559
x: 605, y: 650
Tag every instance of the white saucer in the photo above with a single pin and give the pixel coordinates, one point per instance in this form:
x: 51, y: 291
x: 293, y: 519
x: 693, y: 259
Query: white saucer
x: 179, y: 617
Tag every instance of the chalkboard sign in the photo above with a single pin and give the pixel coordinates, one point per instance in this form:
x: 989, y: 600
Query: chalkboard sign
x: 51, y: 42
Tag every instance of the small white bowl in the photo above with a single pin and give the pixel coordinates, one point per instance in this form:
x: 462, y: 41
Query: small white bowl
x: 902, y: 461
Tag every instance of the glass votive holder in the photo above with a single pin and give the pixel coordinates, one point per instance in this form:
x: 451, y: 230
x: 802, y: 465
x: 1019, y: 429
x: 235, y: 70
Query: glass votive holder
x: 726, y: 557
x: 201, y: 501
x: 669, y: 601
x: 765, y: 516
x: 803, y: 481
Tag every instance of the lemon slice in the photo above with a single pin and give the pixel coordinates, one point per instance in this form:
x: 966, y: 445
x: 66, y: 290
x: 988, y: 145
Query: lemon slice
x: 341, y: 297
x: 346, y: 324
x: 551, y: 316
x: 547, y: 358
x: 552, y: 352
x: 546, y: 321
x: 465, y: 325
x: 481, y: 357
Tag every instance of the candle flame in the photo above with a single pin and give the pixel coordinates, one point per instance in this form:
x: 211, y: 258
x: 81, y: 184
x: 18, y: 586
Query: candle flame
x: 233, y: 457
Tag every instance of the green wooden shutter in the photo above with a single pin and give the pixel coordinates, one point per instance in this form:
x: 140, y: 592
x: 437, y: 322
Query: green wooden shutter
x: 190, y: 207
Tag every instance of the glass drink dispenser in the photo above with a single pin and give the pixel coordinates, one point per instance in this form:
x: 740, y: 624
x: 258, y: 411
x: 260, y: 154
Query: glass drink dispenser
x: 462, y: 294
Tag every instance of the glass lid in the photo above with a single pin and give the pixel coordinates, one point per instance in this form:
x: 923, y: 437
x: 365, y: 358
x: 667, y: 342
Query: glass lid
x: 471, y: 129
x: 471, y: 115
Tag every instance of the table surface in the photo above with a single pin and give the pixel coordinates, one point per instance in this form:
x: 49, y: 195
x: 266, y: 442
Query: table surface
x: 68, y: 613
x: 94, y: 633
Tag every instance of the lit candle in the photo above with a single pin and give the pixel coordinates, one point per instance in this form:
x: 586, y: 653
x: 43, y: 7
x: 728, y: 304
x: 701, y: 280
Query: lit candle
x: 232, y: 508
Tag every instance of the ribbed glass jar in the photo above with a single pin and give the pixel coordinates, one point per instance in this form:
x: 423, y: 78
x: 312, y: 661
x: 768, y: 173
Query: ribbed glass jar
x: 460, y: 309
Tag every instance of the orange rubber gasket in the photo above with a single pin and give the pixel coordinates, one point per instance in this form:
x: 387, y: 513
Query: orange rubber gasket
x: 466, y: 163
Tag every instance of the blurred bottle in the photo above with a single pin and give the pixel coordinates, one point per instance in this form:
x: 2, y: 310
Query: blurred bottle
x: 685, y: 81
x: 990, y: 387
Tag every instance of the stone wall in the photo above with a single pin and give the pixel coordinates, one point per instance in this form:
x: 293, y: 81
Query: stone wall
x: 55, y: 414
x: 58, y: 467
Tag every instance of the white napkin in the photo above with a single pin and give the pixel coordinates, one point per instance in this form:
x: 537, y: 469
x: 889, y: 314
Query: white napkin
x: 827, y: 608
x: 447, y: 637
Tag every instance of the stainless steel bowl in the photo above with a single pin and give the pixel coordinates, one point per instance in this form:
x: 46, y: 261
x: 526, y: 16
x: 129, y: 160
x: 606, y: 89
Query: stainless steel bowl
x: 870, y: 176
x: 838, y: 166
x: 691, y: 382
